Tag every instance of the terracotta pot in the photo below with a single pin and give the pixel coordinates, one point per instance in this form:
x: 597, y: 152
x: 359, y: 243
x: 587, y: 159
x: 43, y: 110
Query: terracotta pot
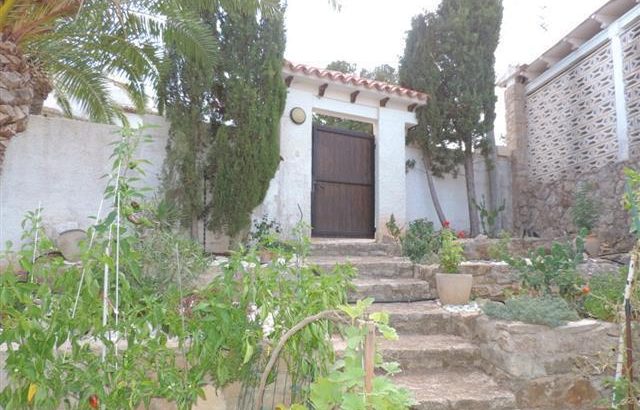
x: 69, y: 244
x: 592, y: 245
x: 454, y: 288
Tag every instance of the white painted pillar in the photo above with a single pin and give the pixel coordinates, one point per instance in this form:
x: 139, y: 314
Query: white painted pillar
x: 621, y: 103
x: 293, y: 178
x: 390, y: 169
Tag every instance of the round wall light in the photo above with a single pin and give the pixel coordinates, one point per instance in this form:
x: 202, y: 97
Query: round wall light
x: 297, y: 115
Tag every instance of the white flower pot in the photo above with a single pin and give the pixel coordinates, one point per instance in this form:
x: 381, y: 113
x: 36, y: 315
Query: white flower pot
x: 454, y: 288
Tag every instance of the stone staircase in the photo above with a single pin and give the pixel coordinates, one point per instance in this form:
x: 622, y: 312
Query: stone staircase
x: 441, y: 364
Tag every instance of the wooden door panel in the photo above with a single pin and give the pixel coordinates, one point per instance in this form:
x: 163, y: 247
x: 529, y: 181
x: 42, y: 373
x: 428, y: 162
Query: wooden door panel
x: 343, y: 159
x: 345, y: 210
x: 343, y: 183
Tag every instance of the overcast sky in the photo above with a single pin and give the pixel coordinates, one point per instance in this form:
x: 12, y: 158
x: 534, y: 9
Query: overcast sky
x: 372, y: 32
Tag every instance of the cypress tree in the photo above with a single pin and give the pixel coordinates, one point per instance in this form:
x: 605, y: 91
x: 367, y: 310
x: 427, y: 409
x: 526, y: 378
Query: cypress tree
x: 450, y: 55
x: 245, y: 150
x: 224, y: 141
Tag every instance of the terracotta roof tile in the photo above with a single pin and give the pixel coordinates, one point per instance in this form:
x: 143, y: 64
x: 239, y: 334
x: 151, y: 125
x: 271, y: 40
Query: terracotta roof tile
x: 338, y: 76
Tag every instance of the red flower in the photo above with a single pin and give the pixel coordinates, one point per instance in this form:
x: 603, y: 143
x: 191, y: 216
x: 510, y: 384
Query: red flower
x: 461, y: 234
x: 445, y: 224
x: 94, y: 403
x: 586, y: 290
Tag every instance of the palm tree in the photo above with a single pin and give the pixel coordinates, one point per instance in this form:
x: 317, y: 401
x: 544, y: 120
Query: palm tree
x: 76, y: 48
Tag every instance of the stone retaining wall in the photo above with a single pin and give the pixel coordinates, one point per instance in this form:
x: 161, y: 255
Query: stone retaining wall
x: 550, y: 368
x: 546, y: 206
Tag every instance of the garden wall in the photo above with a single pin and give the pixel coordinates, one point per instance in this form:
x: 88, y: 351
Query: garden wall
x: 452, y: 191
x: 577, y: 123
x: 58, y: 164
x: 551, y: 368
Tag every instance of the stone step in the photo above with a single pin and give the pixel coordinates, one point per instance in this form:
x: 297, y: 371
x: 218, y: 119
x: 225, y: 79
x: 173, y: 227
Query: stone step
x: 391, y: 290
x: 456, y: 389
x: 351, y: 247
x: 426, y: 318
x: 423, y: 353
x: 369, y: 266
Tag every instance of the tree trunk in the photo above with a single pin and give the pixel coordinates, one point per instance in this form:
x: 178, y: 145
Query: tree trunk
x: 494, y: 195
x: 16, y: 94
x: 474, y: 222
x: 42, y: 87
x: 426, y: 161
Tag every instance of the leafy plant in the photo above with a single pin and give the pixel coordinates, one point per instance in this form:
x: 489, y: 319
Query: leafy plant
x: 488, y: 216
x: 343, y: 387
x: 632, y: 199
x: 420, y: 241
x: 545, y: 310
x: 604, y: 295
x: 585, y: 209
x: 394, y: 230
x: 552, y: 271
x: 98, y: 335
x: 606, y: 292
x: 451, y: 252
x: 499, y: 251
x: 265, y: 232
x: 160, y: 267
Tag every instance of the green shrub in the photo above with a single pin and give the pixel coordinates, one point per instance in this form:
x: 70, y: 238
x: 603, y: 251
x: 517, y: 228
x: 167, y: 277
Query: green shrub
x: 546, y: 310
x: 421, y: 241
x: 159, y: 265
x: 500, y: 251
x: 585, y: 209
x: 552, y: 271
x: 394, y: 230
x: 606, y: 292
x: 450, y: 252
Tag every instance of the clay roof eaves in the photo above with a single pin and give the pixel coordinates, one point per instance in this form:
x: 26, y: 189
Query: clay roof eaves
x: 354, y: 80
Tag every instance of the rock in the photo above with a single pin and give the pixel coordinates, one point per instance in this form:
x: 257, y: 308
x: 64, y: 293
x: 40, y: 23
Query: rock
x: 598, y: 267
x: 68, y: 243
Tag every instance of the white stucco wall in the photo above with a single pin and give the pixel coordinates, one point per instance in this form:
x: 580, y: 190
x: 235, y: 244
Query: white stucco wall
x: 288, y: 199
x: 452, y: 191
x: 58, y: 164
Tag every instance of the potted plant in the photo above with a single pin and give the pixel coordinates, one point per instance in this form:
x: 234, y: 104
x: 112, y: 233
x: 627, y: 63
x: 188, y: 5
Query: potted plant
x: 585, y: 216
x: 454, y: 288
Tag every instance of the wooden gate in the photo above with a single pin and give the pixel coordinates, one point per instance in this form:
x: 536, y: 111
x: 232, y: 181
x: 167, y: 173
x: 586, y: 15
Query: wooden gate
x: 343, y: 195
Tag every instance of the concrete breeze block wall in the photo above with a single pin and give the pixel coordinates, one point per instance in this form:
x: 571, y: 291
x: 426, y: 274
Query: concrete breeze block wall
x: 582, y: 125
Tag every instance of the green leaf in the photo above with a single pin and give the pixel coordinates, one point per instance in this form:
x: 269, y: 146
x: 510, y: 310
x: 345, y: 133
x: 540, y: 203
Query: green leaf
x: 248, y: 352
x: 391, y: 367
x: 380, y: 317
x: 388, y: 332
x: 353, y: 401
x: 324, y: 393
